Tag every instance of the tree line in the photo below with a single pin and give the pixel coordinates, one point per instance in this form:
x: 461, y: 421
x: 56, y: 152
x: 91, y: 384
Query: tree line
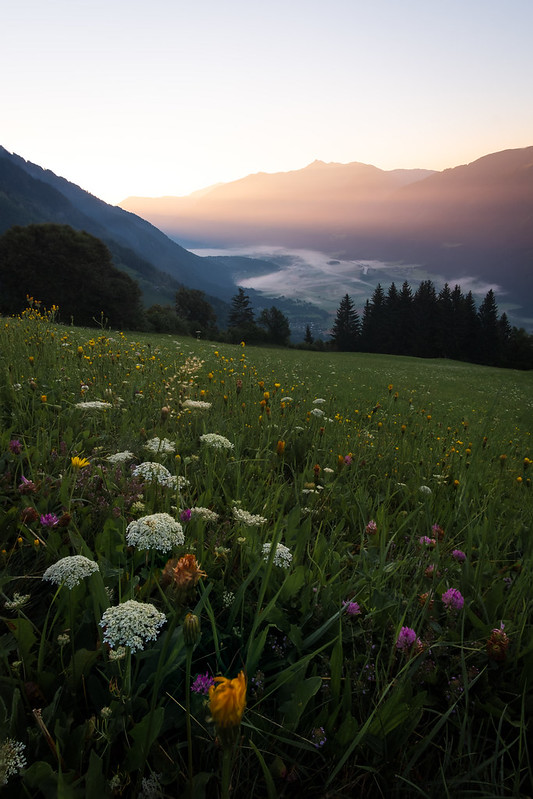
x: 430, y: 324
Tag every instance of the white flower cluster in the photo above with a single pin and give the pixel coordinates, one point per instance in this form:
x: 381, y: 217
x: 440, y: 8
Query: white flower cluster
x: 215, y: 441
x: 131, y: 624
x: 317, y: 412
x: 18, y: 601
x: 152, y: 472
x: 282, y: 555
x: 158, y: 531
x: 160, y: 445
x: 204, y: 513
x: 247, y: 518
x: 121, y: 457
x: 70, y: 570
x: 198, y: 405
x: 318, y: 401
x: 94, y: 405
x: 286, y: 399
x: 12, y: 759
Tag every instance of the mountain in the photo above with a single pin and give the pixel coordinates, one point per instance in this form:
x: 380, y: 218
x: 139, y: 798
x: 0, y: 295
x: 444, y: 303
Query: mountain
x: 470, y: 224
x: 30, y: 194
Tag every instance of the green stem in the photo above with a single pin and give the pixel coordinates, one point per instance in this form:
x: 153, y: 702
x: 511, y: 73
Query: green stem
x: 227, y: 762
x: 188, y: 715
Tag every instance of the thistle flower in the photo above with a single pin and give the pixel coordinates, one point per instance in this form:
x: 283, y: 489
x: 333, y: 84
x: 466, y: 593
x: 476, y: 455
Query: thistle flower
x: 157, y: 531
x: 282, y: 555
x: 131, y: 624
x: 227, y: 700
x: 70, y: 571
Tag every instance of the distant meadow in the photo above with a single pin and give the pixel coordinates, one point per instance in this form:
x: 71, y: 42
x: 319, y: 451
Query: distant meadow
x: 231, y: 571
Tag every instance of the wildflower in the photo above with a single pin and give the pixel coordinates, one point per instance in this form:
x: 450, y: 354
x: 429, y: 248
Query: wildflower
x: 459, y: 555
x: 63, y: 639
x: 286, y: 399
x: 228, y: 598
x: 121, y: 457
x: 318, y: 401
x: 318, y: 737
x: 406, y: 639
x: 131, y: 624
x: 28, y: 515
x: 351, y: 608
x: 282, y: 555
x: 185, y: 515
x: 158, y: 531
x: 44, y: 398
x: 26, y: 486
x: 280, y: 447
x: 250, y: 519
x: 215, y: 441
x: 79, y: 463
x: 183, y: 573
x: 152, y: 472
x: 94, y: 405
x: 202, y: 684
x: 426, y: 541
x: 161, y: 446
x: 437, y: 531
x: 199, y: 405
x: 49, y: 520
x: 227, y: 700
x: 15, y: 447
x: 371, y: 528
x: 70, y: 571
x: 204, y: 513
x: 497, y: 644
x: 452, y: 599
x: 425, y: 490
x: 12, y: 759
x: 18, y: 601
x: 117, y: 654
x: 318, y: 412
x: 151, y: 787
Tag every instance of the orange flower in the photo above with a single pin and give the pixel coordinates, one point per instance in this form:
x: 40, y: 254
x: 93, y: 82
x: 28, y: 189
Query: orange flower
x: 183, y: 573
x: 280, y: 447
x: 227, y: 700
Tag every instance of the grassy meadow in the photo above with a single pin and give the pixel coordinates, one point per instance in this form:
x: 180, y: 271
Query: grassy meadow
x: 345, y: 539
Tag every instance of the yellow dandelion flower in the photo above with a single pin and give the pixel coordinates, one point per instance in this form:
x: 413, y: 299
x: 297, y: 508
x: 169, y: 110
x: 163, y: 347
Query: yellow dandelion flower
x: 227, y: 700
x: 79, y: 463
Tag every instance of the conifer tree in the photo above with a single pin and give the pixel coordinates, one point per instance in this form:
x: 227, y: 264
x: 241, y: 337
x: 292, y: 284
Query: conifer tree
x: 241, y: 322
x: 346, y: 328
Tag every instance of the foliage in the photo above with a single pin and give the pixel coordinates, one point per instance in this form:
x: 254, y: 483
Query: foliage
x: 323, y: 524
x: 67, y: 268
x: 347, y: 327
x: 195, y: 311
x: 241, y: 320
x: 276, y: 324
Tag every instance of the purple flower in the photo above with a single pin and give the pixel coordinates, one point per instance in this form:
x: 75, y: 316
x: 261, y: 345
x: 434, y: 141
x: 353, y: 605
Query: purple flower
x: 406, y: 639
x: 371, y: 528
x: 15, y: 446
x: 426, y: 541
x: 452, y: 599
x: 26, y: 486
x: 459, y: 555
x: 352, y: 608
x: 185, y: 515
x: 202, y: 684
x: 49, y: 520
x: 318, y: 736
x: 347, y: 459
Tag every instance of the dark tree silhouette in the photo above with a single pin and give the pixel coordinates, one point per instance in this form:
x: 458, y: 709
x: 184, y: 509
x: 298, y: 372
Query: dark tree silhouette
x: 276, y: 325
x: 241, y: 320
x: 346, y: 329
x: 195, y: 311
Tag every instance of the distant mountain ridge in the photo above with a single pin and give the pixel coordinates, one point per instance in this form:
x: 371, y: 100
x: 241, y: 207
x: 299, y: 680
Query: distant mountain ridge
x: 471, y: 221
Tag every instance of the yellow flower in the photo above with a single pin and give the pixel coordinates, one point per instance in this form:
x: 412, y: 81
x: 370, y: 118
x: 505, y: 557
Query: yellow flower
x: 227, y: 700
x: 79, y: 463
x: 43, y: 398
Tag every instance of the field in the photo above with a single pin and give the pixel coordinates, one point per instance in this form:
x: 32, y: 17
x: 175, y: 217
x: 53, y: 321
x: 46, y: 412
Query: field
x: 345, y: 540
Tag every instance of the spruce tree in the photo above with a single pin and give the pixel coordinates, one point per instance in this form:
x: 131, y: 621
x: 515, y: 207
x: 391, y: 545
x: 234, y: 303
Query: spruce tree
x: 347, y: 327
x: 241, y: 323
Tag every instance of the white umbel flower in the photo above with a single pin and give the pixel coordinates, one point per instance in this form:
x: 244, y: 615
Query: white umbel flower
x: 282, y: 555
x: 158, y: 531
x: 206, y: 514
x: 160, y: 445
x: 121, y: 457
x: 152, y: 472
x: 12, y: 759
x: 71, y: 570
x: 250, y: 519
x: 94, y: 405
x: 199, y: 405
x: 131, y: 624
x: 215, y: 441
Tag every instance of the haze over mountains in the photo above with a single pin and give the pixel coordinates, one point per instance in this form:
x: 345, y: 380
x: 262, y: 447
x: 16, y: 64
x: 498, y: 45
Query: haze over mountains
x: 471, y: 225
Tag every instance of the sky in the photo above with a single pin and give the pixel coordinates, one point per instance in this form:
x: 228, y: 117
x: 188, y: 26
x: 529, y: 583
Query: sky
x: 159, y: 98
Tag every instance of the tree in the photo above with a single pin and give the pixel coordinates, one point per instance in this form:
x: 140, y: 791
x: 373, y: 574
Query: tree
x: 276, y: 324
x: 68, y: 268
x: 308, y: 338
x: 490, y: 336
x: 241, y: 322
x: 346, y: 329
x: 195, y: 310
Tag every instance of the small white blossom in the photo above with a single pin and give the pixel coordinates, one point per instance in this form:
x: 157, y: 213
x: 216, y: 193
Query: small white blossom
x: 12, y: 759
x: 160, y: 445
x: 18, y: 601
x: 150, y: 787
x: 152, y: 472
x: 94, y: 405
x: 228, y: 598
x: 247, y: 518
x: 425, y: 490
x: 215, y: 441
x: 286, y: 399
x: 117, y: 654
x: 318, y: 412
x: 198, y: 405
x: 204, y: 513
x: 318, y: 401
x: 158, y: 531
x: 327, y: 470
x: 70, y: 570
x: 282, y: 556
x: 121, y: 457
x: 131, y: 624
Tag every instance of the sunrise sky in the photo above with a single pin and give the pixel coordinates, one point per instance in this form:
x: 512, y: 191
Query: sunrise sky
x: 129, y: 97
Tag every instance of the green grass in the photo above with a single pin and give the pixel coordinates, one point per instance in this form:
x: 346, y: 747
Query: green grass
x: 434, y: 449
